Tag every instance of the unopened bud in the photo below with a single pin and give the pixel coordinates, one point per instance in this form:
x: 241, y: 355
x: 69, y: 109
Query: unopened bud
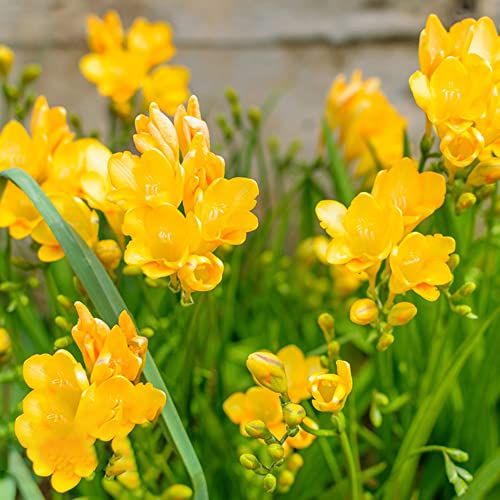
x: 6, y: 60
x: 324, y: 361
x: 380, y: 398
x: 327, y: 325
x: 276, y: 451
x: 386, y: 339
x: 464, y: 291
x: 457, y: 455
x: 294, y: 462
x: 30, y: 73
x: 257, y: 429
x: 453, y: 261
x: 486, y: 172
x: 130, y: 480
x: 249, y: 461
x: 64, y: 302
x: 486, y: 191
x: 363, y: 311
x: 426, y: 144
x: 132, y: 271
x: 147, y: 332
x: 285, y: 481
x: 109, y: 253
x: 375, y: 415
x: 11, y: 92
x: 178, y: 492
x: 293, y: 414
x: 401, y: 313
x: 333, y: 348
x: 254, y: 116
x: 463, y: 310
x: 269, y: 483
x: 465, y: 201
x: 63, y: 323
x: 5, y: 346
x: 268, y: 371
x: 231, y: 95
x: 63, y: 342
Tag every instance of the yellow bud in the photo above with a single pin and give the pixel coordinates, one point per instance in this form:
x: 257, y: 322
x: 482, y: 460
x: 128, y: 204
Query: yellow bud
x: 453, y: 261
x: 276, y: 451
x: 63, y: 323
x: 129, y: 479
x: 30, y: 73
x: 285, y: 481
x: 463, y: 310
x: 63, y: 342
x: 363, y: 311
x: 268, y: 371
x: 333, y: 348
x: 486, y: 172
x: 385, y: 341
x: 254, y: 116
x: 65, y: 302
x: 114, y: 488
x: 269, y: 483
x: 6, y: 60
x: 132, y: 271
x: 249, y: 461
x: 109, y: 253
x: 327, y: 325
x: 464, y: 291
x: 178, y: 492
x: 293, y: 414
x: 257, y: 429
x: 465, y: 201
x: 5, y: 346
x: 294, y: 462
x: 401, y: 313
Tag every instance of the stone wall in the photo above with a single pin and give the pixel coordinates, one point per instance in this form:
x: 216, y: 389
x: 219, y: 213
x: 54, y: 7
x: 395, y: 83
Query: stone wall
x: 294, y: 47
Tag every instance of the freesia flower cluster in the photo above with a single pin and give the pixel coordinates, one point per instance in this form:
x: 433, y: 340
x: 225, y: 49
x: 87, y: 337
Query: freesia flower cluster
x: 167, y: 241
x: 70, y: 407
x: 122, y: 63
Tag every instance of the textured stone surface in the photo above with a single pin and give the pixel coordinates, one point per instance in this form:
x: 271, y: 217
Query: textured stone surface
x: 293, y: 47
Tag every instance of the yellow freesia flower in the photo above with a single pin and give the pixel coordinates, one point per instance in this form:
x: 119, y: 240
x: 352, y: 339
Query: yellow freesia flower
x: 416, y: 194
x: 152, y: 41
x: 167, y: 86
x: 298, y: 369
x: 149, y: 180
x: 363, y: 234
x: 330, y: 391
x: 76, y: 213
x: 117, y: 74
x: 418, y: 263
x: 55, y: 441
x: 257, y: 403
x: 201, y: 168
x: 188, y: 123
x: 224, y: 211
x: 201, y: 273
x: 112, y: 408
x: 105, y: 34
x: 156, y: 131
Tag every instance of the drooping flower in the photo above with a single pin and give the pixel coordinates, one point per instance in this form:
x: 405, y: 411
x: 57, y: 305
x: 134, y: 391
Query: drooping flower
x: 329, y: 390
x: 363, y: 234
x: 418, y: 263
x: 416, y: 194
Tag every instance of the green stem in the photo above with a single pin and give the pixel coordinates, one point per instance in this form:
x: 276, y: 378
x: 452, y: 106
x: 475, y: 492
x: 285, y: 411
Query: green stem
x: 351, y: 466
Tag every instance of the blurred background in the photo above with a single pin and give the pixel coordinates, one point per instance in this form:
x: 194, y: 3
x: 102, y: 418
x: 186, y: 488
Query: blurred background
x: 286, y: 48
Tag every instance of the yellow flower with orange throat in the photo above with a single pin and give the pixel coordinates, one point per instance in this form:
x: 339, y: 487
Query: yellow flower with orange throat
x: 69, y: 408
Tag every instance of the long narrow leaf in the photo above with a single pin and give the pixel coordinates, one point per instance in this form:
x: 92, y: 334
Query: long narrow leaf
x: 109, y: 305
x: 25, y: 482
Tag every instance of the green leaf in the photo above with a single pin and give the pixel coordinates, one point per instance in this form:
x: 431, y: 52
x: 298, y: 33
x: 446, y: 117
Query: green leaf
x: 485, y: 478
x: 109, y: 304
x: 7, y: 488
x: 338, y: 170
x: 25, y: 482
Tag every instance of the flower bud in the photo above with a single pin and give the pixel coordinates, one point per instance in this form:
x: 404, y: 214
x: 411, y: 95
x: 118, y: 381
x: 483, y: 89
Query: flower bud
x: 363, y: 311
x: 386, y: 339
x: 293, y: 414
x: 294, y: 462
x: 457, y: 455
x: 464, y: 291
x: 269, y: 483
x: 254, y: 116
x: 380, y: 398
x: 401, y: 313
x: 257, y: 429
x: 5, y: 346
x: 64, y: 302
x: 276, y: 451
x: 285, y: 481
x: 63, y: 342
x: 130, y: 480
x: 426, y: 144
x: 268, y: 371
x: 463, y: 310
x: 465, y: 201
x: 30, y: 74
x: 109, y: 253
x: 486, y: 191
x: 178, y: 492
x: 486, y: 172
x: 327, y: 325
x: 6, y: 60
x: 231, y: 95
x: 453, y: 261
x: 63, y: 323
x: 132, y: 271
x: 249, y: 461
x: 375, y: 415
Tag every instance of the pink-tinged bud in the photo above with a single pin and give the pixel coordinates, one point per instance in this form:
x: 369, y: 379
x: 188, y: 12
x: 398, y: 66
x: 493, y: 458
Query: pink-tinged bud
x: 276, y: 451
x: 293, y: 414
x: 363, y: 312
x: 385, y: 341
x: 257, y: 429
x: 401, y: 313
x: 465, y: 201
x: 109, y: 253
x: 485, y: 172
x: 268, y: 371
